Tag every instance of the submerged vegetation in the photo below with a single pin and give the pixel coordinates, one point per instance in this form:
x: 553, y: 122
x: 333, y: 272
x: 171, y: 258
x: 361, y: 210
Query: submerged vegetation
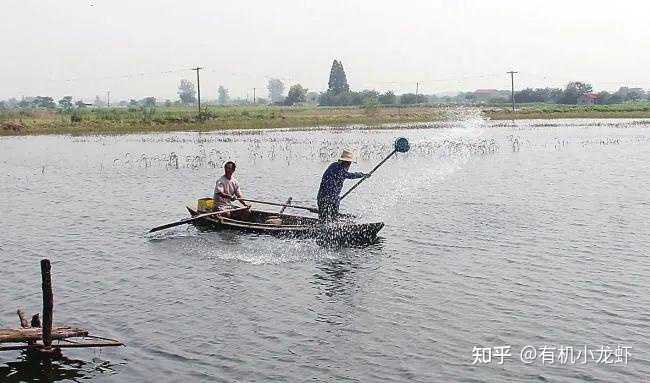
x: 166, y: 119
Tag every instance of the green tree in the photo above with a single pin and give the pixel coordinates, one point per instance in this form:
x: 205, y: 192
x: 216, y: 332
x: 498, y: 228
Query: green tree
x: 297, y: 94
x: 65, y: 103
x: 338, y: 82
x: 43, y: 102
x: 25, y: 102
x: 186, y: 92
x: 412, y: 98
x: 371, y: 106
x: 148, y: 102
x: 329, y: 98
x: 630, y: 94
x: 387, y: 98
x: 573, y: 91
x: 276, y: 89
x: 222, y: 96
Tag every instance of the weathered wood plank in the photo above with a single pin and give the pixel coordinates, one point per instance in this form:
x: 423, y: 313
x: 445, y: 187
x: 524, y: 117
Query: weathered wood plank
x: 30, y: 334
x: 79, y: 345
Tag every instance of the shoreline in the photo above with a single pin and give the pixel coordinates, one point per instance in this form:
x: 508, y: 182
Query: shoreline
x: 230, y: 119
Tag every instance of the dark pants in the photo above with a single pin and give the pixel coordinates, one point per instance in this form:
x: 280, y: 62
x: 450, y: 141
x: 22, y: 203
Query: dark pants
x: 328, y: 210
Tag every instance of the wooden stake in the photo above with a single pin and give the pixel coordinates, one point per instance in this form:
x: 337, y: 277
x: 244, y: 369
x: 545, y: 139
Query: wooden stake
x: 24, y: 323
x: 48, y: 303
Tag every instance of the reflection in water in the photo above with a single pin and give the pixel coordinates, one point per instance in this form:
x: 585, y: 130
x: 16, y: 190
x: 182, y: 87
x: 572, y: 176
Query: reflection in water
x: 33, y: 369
x: 337, y: 282
x: 336, y: 279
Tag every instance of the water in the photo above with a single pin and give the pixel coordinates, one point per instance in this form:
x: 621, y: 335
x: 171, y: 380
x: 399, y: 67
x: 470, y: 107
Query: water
x: 497, y: 234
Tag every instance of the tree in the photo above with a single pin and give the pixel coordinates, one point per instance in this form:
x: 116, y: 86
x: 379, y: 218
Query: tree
x: 186, y: 92
x: 297, y: 94
x: 148, y: 102
x: 370, y: 105
x: 573, y: 91
x: 98, y: 101
x: 387, y: 98
x: 65, y: 103
x: 11, y: 103
x: 630, y: 94
x: 338, y: 82
x: 329, y: 98
x: 222, y: 96
x: 312, y: 97
x: 25, y: 102
x: 44, y: 102
x: 412, y: 98
x: 361, y: 98
x: 276, y: 89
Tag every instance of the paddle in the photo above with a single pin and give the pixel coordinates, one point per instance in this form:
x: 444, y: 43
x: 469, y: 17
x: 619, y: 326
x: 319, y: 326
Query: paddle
x: 401, y: 146
x: 195, y: 218
x: 311, y: 209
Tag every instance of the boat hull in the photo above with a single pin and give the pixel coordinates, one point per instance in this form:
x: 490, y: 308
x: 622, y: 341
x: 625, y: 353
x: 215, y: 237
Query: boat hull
x: 339, y: 232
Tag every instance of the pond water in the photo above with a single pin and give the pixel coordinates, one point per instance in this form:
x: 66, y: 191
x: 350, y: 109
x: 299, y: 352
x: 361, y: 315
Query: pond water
x: 498, y: 237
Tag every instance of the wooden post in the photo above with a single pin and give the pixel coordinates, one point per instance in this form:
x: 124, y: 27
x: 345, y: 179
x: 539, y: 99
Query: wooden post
x: 24, y: 323
x: 48, y: 303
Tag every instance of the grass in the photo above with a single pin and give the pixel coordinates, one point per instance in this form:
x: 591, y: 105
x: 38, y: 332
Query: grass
x: 166, y: 119
x: 553, y: 111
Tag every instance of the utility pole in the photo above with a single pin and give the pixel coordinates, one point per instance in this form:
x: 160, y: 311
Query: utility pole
x: 417, y: 88
x: 108, y: 99
x: 254, y: 96
x: 512, y: 81
x: 198, y: 88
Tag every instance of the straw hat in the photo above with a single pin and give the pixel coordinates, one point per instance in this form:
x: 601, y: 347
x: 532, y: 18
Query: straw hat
x: 347, y: 156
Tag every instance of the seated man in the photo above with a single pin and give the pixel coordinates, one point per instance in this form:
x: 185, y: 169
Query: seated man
x: 227, y: 190
x: 331, y: 185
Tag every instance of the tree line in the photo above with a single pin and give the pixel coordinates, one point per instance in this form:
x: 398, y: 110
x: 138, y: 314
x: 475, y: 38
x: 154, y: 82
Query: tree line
x: 339, y: 94
x: 574, y: 91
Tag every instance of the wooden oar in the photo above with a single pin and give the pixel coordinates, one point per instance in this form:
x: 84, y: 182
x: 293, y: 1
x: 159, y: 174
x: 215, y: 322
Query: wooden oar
x: 311, y: 209
x: 195, y: 218
x: 401, y: 146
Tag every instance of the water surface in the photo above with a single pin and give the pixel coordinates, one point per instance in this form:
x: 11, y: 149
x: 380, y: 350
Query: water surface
x: 527, y: 233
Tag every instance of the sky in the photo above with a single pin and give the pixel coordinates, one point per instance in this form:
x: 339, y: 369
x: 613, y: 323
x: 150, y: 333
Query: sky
x: 141, y: 48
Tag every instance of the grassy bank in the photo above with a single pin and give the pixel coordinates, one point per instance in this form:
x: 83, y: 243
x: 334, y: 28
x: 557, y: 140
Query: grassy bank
x: 119, y: 120
x: 555, y: 111
x: 162, y: 119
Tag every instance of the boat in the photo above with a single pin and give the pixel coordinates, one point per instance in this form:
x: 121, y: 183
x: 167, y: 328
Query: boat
x: 343, y: 231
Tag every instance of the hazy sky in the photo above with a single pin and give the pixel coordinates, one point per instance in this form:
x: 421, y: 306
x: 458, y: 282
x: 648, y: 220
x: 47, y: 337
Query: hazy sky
x: 140, y: 48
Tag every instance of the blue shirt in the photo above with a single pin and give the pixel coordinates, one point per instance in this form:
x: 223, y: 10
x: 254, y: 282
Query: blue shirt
x: 332, y: 181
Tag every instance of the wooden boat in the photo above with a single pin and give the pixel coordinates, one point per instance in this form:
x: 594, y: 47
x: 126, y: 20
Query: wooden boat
x: 343, y: 231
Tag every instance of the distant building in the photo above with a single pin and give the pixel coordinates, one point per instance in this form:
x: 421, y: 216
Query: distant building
x: 588, y: 99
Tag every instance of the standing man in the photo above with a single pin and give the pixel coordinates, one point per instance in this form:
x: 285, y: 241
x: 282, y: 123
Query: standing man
x: 331, y: 185
x: 226, y: 191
